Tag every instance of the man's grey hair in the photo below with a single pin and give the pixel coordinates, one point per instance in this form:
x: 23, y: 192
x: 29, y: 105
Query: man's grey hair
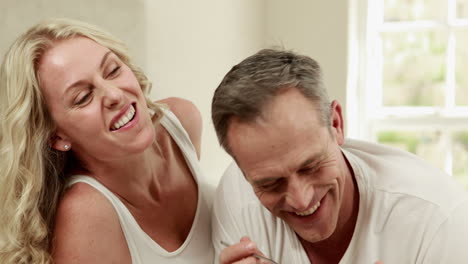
x: 251, y: 84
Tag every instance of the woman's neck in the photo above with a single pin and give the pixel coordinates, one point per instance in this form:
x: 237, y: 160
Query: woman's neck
x: 134, y: 178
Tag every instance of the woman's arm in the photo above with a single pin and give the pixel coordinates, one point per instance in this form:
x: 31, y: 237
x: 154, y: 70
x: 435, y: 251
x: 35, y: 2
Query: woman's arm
x: 87, y: 229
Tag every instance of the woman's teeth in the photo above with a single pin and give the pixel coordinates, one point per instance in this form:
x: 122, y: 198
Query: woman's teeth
x: 310, y: 211
x: 124, y: 119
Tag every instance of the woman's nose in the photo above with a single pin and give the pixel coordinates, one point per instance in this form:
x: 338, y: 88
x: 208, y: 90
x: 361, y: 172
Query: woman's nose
x: 112, y: 95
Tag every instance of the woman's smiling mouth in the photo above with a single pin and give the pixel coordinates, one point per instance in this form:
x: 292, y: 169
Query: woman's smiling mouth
x: 124, y: 119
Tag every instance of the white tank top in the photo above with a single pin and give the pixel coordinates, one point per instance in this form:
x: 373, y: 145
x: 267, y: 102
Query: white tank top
x: 197, y: 248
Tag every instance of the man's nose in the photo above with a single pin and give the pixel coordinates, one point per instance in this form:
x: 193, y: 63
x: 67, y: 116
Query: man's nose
x: 299, y: 194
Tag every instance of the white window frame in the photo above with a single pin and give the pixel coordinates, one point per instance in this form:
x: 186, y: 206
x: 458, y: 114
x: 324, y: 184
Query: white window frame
x: 365, y: 114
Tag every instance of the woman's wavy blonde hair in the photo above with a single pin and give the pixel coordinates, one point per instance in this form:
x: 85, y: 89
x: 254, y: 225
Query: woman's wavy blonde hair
x: 31, y: 172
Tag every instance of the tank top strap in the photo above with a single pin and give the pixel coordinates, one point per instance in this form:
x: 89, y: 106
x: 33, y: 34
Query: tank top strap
x: 172, y: 124
x: 127, y: 221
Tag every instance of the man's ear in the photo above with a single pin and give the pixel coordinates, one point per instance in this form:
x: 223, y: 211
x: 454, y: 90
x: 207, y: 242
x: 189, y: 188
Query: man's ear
x: 60, y: 142
x: 337, y: 122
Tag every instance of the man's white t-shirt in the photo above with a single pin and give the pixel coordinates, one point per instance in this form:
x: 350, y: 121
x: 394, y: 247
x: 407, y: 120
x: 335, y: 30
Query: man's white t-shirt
x: 409, y: 212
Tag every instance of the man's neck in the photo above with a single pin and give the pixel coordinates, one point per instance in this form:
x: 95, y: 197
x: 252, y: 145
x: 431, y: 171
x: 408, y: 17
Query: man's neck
x: 332, y: 249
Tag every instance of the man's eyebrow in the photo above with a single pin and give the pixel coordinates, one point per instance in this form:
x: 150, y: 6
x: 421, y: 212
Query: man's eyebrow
x: 266, y: 180
x: 317, y: 157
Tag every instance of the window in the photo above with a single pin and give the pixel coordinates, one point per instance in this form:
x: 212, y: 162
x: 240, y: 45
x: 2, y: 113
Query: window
x: 408, y: 78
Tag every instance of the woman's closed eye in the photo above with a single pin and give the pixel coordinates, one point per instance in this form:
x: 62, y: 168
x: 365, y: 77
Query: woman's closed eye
x: 115, y: 71
x: 84, y: 97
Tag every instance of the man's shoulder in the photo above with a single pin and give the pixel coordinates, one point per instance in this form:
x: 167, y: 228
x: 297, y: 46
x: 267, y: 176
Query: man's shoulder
x: 235, y: 187
x: 391, y: 172
x: 402, y: 198
x: 235, y: 200
x: 237, y: 212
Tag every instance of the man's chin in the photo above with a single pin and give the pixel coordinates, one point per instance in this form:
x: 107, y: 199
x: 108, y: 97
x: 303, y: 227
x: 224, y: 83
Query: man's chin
x: 314, y: 235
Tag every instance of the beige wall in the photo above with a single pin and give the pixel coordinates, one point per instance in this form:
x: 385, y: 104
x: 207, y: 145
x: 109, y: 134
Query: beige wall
x: 192, y: 46
x: 122, y: 18
x: 315, y: 28
x: 187, y: 46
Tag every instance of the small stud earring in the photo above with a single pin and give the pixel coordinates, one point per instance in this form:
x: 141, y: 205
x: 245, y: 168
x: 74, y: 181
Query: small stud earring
x: 66, y: 147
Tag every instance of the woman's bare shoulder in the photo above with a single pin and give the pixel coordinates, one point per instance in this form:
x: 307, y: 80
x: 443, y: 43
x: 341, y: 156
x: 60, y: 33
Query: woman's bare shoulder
x: 189, y: 116
x: 87, y: 228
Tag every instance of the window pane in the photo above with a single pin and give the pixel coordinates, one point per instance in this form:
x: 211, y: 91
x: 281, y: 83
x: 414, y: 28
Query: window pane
x: 460, y: 157
x: 414, y: 68
x: 462, y: 8
x: 402, y: 10
x: 425, y: 144
x: 461, y: 67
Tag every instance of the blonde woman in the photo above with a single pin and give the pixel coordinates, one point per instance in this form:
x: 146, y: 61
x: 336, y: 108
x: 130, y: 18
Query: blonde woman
x: 91, y: 170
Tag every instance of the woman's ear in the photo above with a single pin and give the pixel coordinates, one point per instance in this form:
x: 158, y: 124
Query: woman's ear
x: 60, y: 143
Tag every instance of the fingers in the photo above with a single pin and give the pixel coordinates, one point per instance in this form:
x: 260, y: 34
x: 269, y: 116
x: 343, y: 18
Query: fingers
x: 240, y: 253
x: 245, y: 239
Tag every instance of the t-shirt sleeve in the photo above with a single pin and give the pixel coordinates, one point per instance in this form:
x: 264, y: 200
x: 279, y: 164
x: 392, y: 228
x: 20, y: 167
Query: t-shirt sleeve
x: 226, y: 225
x: 450, y: 243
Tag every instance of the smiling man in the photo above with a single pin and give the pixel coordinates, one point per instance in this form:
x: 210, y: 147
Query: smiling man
x: 299, y: 192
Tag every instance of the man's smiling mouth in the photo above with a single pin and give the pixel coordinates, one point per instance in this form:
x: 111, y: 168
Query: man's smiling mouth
x: 310, y: 211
